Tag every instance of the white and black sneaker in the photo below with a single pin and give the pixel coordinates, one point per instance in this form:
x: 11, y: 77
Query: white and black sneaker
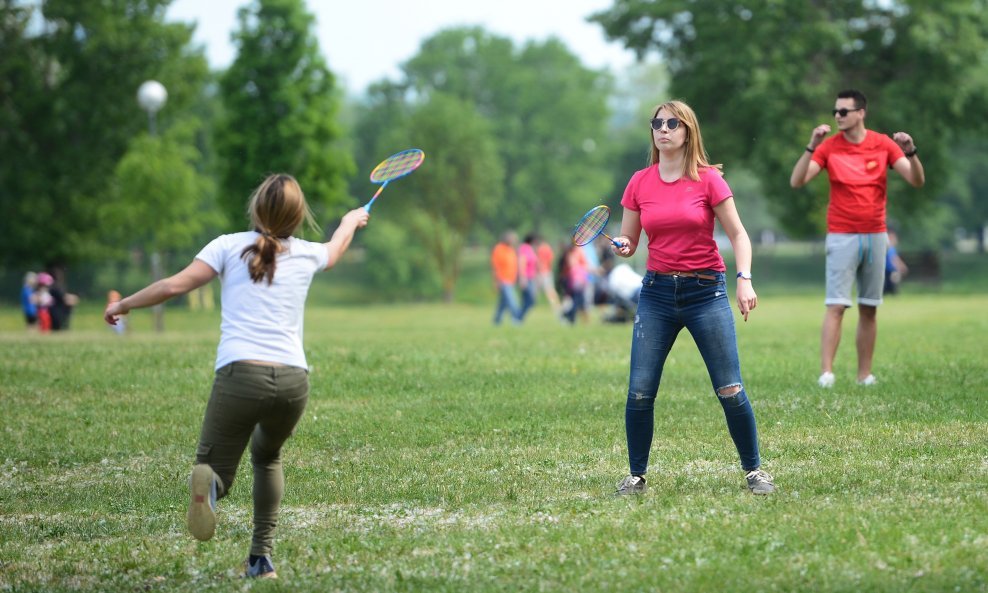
x: 759, y: 482
x: 631, y: 485
x: 259, y: 567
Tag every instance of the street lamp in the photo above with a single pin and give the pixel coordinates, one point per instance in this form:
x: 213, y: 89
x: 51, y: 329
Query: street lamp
x: 151, y: 96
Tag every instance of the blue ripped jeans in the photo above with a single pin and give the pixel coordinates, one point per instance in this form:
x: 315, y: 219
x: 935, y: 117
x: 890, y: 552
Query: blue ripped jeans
x: 668, y: 304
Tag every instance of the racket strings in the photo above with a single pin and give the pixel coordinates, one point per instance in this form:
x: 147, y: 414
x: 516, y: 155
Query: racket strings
x: 398, y: 165
x: 591, y: 225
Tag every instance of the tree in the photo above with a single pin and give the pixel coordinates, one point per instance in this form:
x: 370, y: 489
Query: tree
x: 68, y: 112
x: 549, y: 115
x: 280, y: 110
x: 460, y: 182
x: 762, y: 74
x: 159, y: 202
x: 965, y: 196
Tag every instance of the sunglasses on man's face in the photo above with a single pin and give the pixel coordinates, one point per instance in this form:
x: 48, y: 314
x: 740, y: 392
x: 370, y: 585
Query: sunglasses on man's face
x: 671, y: 124
x: 843, y: 111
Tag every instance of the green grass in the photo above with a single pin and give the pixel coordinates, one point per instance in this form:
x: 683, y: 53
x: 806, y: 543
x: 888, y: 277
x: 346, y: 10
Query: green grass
x: 441, y: 454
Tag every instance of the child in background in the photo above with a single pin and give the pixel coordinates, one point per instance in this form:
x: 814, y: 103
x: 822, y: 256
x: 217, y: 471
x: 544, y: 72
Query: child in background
x: 44, y: 301
x: 29, y: 300
x: 121, y: 326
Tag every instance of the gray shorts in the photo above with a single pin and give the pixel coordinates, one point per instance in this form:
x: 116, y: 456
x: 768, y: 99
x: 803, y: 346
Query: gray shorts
x: 856, y: 256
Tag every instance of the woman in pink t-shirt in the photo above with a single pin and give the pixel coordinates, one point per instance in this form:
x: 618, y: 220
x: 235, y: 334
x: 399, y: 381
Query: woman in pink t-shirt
x: 675, y: 200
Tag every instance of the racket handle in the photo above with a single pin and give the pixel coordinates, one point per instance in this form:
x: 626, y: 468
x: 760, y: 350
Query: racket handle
x: 616, y: 244
x: 367, y: 206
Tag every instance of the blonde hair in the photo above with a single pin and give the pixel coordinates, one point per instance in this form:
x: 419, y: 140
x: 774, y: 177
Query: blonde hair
x: 277, y: 208
x: 695, y: 156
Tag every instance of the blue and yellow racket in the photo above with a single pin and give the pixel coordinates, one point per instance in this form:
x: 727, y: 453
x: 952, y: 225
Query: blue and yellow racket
x: 591, y: 225
x: 393, y: 167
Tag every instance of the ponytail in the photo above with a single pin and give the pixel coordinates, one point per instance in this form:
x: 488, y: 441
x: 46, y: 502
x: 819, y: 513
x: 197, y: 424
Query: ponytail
x: 276, y: 208
x: 261, y: 257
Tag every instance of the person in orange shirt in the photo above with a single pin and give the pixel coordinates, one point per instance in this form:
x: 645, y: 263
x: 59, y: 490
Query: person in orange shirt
x: 504, y: 263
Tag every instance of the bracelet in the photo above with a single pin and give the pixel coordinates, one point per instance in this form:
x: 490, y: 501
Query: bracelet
x: 810, y: 150
x: 745, y: 275
x: 910, y: 155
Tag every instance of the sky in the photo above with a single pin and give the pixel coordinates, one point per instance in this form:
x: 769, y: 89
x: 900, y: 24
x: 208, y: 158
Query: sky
x: 365, y: 41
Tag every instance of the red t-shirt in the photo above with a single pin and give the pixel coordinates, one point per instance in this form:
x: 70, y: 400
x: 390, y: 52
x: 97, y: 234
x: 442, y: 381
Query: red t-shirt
x: 678, y: 218
x: 858, y: 181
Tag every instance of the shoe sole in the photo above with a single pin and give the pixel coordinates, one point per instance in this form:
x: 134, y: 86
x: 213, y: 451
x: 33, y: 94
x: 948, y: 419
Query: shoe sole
x: 201, y: 518
x: 635, y: 492
x: 632, y: 493
x: 267, y: 575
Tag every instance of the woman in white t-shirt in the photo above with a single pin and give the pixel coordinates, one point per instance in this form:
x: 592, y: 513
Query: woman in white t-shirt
x: 261, y: 385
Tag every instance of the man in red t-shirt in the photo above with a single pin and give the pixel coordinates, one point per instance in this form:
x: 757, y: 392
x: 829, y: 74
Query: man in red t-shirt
x: 856, y: 161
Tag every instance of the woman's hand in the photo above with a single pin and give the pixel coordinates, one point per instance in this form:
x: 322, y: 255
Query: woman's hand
x: 627, y: 249
x: 114, y: 311
x: 358, y: 217
x: 747, y: 299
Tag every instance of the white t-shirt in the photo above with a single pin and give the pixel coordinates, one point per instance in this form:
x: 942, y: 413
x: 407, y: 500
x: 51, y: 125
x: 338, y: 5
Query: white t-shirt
x: 624, y: 281
x: 261, y: 322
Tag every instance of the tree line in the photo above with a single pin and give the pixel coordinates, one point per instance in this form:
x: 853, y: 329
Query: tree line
x: 520, y: 136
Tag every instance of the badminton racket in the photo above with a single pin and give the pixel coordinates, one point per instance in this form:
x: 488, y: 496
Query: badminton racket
x: 591, y: 225
x: 393, y: 167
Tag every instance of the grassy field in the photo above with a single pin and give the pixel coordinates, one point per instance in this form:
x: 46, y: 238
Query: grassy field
x: 440, y: 453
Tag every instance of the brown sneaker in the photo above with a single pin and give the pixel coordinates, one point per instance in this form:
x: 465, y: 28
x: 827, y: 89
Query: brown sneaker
x: 201, y: 518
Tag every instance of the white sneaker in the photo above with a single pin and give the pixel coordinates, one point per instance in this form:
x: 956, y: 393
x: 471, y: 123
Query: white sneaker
x: 869, y: 380
x: 826, y: 380
x: 759, y: 482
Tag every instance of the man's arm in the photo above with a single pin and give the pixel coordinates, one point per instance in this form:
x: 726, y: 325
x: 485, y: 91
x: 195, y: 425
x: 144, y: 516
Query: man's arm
x: 909, y: 166
x: 806, y: 168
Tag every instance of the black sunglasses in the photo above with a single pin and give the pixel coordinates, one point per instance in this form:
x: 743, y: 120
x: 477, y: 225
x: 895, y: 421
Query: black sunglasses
x: 843, y: 111
x: 672, y: 123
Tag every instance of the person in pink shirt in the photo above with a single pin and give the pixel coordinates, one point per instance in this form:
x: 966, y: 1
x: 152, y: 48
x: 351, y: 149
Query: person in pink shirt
x: 857, y: 161
x: 676, y: 200
x: 527, y: 273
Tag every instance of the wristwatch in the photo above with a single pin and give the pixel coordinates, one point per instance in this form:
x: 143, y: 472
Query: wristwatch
x: 745, y: 275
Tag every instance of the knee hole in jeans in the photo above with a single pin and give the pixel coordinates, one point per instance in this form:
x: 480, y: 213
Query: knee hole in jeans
x: 730, y: 393
x: 640, y: 401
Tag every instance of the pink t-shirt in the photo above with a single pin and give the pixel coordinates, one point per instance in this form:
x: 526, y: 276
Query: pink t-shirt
x: 526, y: 261
x: 678, y: 218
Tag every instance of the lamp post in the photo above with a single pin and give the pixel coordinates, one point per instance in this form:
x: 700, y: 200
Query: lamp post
x: 151, y: 96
